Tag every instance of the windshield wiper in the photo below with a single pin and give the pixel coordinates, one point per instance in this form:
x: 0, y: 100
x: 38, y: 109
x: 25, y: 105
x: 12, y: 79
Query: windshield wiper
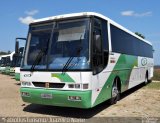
x: 38, y: 58
x: 67, y: 64
x: 65, y: 68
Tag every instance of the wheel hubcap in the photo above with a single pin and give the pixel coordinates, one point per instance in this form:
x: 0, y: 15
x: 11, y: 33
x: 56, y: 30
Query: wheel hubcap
x: 114, y: 91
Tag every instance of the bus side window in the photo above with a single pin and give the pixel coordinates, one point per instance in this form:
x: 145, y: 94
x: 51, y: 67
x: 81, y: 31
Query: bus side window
x: 97, y: 48
x: 105, y: 42
x: 97, y: 41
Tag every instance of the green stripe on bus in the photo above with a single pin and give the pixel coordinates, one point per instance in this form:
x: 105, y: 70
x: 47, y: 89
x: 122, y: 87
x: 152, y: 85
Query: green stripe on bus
x: 63, y: 77
x: 17, y: 76
x: 122, y: 69
x: 7, y: 71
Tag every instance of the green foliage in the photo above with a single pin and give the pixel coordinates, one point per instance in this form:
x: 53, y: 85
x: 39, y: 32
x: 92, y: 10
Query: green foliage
x: 3, y: 53
x: 156, y: 75
x: 153, y: 85
x: 140, y: 35
x: 9, y: 52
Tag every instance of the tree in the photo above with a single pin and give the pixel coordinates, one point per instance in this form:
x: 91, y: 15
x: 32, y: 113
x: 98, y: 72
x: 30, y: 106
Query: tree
x: 9, y: 52
x: 3, y: 53
x: 140, y: 35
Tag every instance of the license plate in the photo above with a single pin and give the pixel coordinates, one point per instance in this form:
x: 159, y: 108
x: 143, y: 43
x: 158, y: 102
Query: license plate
x: 46, y: 96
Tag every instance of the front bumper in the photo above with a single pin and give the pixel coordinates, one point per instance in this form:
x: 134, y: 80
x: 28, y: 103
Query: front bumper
x: 17, y: 76
x: 7, y: 71
x: 12, y: 73
x: 60, y: 97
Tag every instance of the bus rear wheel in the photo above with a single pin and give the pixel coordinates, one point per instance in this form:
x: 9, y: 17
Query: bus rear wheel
x: 115, y: 93
x: 146, y: 79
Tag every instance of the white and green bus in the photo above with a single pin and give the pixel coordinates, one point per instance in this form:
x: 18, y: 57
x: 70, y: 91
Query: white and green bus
x: 16, y: 62
x: 6, y: 62
x: 81, y: 60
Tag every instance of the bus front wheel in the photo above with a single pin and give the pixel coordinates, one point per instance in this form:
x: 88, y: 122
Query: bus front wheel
x: 115, y: 93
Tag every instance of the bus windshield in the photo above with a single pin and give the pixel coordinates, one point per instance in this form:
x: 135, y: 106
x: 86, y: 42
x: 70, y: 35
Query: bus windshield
x: 51, y: 45
x: 5, y: 61
x: 0, y: 62
x: 16, y: 61
x: 17, y: 57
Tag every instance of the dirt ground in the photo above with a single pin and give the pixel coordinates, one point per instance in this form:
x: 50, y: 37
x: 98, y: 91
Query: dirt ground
x: 138, y: 102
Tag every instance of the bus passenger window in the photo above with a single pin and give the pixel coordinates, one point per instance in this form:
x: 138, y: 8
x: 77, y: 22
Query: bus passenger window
x: 97, y: 51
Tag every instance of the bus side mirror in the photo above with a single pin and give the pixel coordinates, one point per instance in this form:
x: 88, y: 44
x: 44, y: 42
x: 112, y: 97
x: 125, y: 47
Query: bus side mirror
x: 17, y: 47
x: 17, y: 44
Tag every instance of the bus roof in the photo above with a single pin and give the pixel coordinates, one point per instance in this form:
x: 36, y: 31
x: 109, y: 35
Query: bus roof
x: 81, y: 14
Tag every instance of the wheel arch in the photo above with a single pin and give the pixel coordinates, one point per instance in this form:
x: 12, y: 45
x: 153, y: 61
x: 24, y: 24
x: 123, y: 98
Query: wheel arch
x: 119, y: 84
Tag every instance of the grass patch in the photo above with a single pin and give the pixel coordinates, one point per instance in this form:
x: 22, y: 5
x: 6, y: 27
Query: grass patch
x: 156, y: 75
x: 153, y: 85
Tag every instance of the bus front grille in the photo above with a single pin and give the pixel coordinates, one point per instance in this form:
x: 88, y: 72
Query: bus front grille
x: 48, y: 85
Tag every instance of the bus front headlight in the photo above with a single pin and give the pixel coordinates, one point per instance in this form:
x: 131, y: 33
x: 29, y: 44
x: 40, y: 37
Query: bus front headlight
x: 85, y: 86
x: 74, y: 86
x: 78, y: 86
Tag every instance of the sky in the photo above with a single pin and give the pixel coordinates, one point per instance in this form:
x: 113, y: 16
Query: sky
x: 141, y: 16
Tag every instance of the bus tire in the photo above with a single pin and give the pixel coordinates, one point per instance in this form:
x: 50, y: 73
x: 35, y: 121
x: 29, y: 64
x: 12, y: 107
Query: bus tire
x: 150, y: 80
x: 115, y: 93
x: 146, y: 79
